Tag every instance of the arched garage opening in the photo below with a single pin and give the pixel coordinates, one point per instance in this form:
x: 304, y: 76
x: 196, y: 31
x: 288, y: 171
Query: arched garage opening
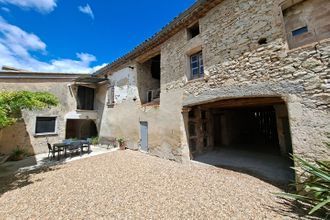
x: 249, y: 135
x: 80, y: 129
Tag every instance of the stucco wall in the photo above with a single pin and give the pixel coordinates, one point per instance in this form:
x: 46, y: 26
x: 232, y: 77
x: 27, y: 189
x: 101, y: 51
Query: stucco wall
x: 117, y: 121
x: 22, y: 134
x: 123, y: 119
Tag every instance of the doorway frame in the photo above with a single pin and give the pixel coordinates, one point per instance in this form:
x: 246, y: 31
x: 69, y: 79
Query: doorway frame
x: 146, y: 125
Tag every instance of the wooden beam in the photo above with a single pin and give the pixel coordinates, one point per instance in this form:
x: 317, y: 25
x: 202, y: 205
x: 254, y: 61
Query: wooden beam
x: 243, y: 102
x: 149, y: 54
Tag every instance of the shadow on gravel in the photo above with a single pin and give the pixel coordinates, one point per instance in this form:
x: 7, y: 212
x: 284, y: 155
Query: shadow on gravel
x: 294, y: 209
x: 22, y: 179
x: 257, y: 175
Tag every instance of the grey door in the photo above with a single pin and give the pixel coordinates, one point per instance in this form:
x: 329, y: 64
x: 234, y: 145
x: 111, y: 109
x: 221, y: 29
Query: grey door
x: 144, y: 135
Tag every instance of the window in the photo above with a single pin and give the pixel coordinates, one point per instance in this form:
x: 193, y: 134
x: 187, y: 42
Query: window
x: 45, y: 125
x: 111, y: 95
x: 306, y: 21
x: 85, y: 99
x: 196, y: 65
x: 299, y: 31
x: 193, y: 31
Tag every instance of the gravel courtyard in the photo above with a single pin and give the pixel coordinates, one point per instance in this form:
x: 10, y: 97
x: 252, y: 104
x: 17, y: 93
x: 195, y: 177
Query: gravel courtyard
x: 132, y: 185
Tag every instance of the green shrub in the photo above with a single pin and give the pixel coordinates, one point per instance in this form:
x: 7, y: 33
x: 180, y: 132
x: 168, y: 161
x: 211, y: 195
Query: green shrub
x: 11, y: 104
x: 95, y: 140
x: 121, y: 140
x: 18, y: 154
x: 314, y: 188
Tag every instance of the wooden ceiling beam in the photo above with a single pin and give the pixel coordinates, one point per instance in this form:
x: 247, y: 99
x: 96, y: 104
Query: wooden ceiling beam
x: 243, y: 102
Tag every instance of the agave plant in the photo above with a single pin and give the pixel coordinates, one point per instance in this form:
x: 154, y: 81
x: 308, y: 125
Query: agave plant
x: 314, y: 189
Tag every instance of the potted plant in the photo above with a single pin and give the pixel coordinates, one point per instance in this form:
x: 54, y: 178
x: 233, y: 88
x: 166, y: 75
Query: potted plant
x: 122, y: 143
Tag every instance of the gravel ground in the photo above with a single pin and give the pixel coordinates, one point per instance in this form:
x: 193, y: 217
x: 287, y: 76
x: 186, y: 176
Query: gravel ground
x: 132, y: 185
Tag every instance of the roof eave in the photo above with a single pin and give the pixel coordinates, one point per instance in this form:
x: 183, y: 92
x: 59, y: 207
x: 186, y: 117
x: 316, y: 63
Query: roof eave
x: 188, y: 17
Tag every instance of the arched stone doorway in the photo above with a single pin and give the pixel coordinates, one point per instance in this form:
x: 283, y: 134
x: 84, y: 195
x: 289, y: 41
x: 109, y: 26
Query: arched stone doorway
x: 80, y: 129
x: 251, y: 135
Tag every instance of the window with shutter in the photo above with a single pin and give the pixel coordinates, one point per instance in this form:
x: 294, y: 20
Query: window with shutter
x: 85, y: 99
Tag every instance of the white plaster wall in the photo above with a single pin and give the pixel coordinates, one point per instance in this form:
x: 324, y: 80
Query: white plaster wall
x: 125, y: 84
x: 24, y: 135
x: 123, y: 119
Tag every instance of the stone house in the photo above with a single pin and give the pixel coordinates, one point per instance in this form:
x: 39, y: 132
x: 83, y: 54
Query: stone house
x: 241, y: 74
x: 237, y: 75
x: 75, y: 117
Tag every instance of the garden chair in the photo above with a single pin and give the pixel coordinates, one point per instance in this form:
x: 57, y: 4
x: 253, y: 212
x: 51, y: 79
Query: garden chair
x: 87, y: 144
x: 53, y: 150
x: 74, y: 147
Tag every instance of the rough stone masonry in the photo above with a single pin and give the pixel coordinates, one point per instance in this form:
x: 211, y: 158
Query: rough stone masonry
x: 245, y: 54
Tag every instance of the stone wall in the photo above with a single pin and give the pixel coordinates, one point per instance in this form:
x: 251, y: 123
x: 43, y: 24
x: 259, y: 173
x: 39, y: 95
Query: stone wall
x: 313, y: 15
x: 237, y: 66
x: 245, y: 54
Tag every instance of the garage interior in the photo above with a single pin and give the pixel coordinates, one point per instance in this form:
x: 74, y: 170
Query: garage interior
x: 250, y: 135
x: 80, y: 129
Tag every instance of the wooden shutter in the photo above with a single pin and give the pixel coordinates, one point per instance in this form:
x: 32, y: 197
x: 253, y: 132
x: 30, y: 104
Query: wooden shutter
x: 111, y: 95
x: 85, y: 100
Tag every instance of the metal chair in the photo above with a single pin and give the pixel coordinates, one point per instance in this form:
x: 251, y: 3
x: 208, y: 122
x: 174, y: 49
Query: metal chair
x: 74, y: 147
x: 53, y: 150
x: 87, y: 144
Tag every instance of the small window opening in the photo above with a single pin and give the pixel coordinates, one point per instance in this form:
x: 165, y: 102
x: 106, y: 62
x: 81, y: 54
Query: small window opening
x: 193, y: 31
x: 262, y: 41
x: 45, y: 125
x: 299, y: 31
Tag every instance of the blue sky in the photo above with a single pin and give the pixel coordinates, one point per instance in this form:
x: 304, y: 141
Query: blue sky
x: 78, y: 35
